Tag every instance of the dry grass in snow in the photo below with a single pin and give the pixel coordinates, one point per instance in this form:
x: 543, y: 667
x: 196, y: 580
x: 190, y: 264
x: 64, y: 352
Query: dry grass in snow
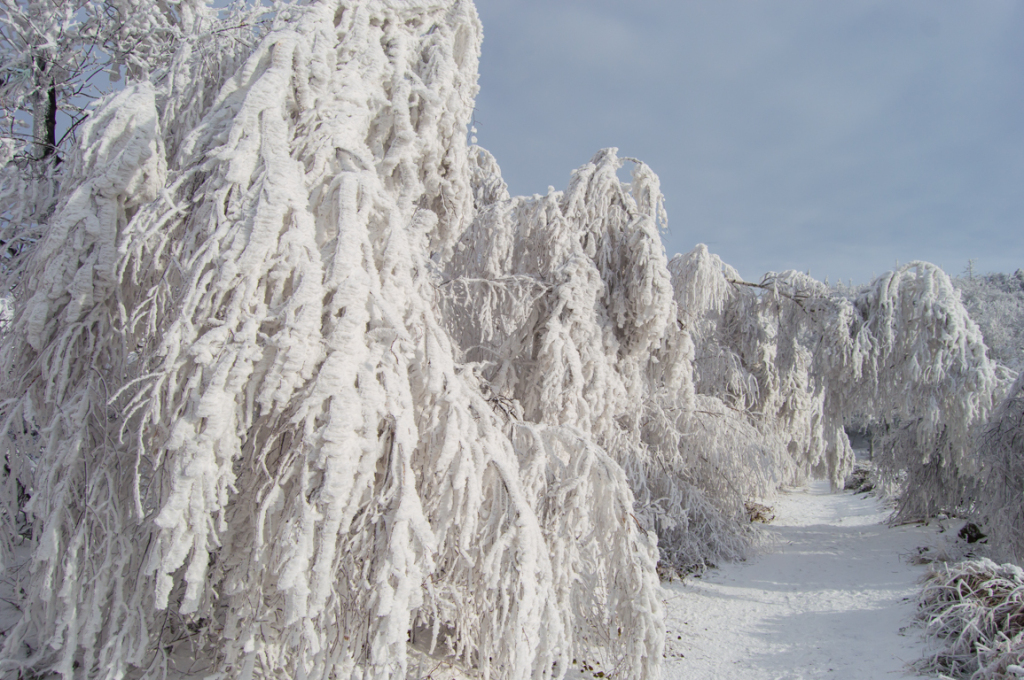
x: 977, y: 609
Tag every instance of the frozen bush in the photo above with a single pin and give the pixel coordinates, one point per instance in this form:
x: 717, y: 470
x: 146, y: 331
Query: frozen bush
x: 976, y: 611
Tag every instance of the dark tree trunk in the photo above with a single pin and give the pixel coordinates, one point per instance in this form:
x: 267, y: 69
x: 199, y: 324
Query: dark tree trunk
x: 45, y: 114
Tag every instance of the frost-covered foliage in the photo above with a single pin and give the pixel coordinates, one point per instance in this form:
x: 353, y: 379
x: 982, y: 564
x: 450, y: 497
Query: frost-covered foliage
x: 909, y: 328
x: 799, y: 361
x: 257, y: 446
x: 996, y: 303
x: 976, y: 610
x: 564, y: 302
x: 1001, y: 448
x: 755, y: 353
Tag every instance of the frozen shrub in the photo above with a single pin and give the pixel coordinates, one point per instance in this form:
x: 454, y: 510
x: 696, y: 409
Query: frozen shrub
x: 1001, y: 507
x: 976, y: 611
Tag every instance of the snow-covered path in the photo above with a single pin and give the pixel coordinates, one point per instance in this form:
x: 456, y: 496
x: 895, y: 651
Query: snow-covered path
x: 828, y: 602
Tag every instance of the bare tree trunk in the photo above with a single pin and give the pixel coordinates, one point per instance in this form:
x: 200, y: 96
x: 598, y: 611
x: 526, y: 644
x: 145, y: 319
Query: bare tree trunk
x: 44, y: 114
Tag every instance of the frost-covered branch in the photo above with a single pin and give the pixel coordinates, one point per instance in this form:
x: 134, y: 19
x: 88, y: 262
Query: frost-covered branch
x: 1001, y: 449
x: 259, y: 449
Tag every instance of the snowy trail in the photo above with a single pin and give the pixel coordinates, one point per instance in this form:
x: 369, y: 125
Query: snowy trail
x: 828, y: 602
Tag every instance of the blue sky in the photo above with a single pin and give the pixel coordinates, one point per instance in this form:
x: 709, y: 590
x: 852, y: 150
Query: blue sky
x: 830, y: 137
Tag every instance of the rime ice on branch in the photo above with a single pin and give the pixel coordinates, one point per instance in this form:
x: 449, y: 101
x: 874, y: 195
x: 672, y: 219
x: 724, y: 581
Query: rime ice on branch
x: 256, y: 444
x: 798, y: 361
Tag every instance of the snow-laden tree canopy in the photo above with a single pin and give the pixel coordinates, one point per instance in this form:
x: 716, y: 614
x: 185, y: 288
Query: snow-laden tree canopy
x: 799, y: 361
x: 292, y: 382
x: 919, y: 364
x: 1002, y: 452
x: 254, y: 440
x: 996, y: 303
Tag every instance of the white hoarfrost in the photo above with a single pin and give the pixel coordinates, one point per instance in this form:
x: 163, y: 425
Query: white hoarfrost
x: 1001, y: 449
x: 258, y: 448
x: 798, y: 361
x: 975, y: 609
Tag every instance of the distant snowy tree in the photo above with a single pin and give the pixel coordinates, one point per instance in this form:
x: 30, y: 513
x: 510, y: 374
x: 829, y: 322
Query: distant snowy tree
x: 918, y: 362
x: 996, y: 303
x: 1001, y: 448
x: 755, y: 351
x: 565, y: 303
x: 587, y: 269
x: 801, y: 361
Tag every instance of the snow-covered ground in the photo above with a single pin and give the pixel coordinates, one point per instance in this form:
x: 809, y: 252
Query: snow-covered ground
x: 830, y: 600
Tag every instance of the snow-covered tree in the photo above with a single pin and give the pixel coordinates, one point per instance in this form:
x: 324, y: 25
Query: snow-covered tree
x: 801, y: 361
x: 565, y: 303
x: 1001, y: 448
x: 257, y: 446
x: 996, y: 303
x: 755, y: 352
x: 918, y: 362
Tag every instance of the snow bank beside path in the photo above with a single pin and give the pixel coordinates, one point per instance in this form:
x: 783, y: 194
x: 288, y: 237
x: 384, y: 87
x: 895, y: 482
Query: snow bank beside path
x: 831, y: 601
